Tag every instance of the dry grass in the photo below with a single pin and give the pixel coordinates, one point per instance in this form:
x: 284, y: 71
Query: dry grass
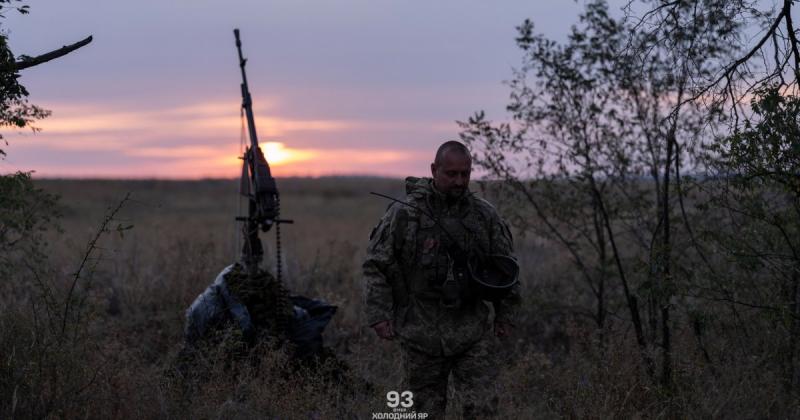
x: 119, y: 364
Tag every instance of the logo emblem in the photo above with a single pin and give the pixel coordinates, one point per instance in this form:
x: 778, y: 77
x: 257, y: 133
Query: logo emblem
x: 400, y: 403
x: 404, y: 399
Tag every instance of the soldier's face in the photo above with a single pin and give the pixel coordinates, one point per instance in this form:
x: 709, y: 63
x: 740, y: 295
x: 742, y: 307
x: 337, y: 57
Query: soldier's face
x: 451, y: 175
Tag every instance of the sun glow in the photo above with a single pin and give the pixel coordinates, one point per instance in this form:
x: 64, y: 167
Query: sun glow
x: 278, y: 154
x: 196, y: 141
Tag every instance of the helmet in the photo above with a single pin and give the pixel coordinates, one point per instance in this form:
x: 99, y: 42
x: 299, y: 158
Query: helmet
x: 493, y: 277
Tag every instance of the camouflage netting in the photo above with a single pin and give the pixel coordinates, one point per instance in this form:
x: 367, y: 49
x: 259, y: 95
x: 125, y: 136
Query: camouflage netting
x: 239, y: 312
x: 266, y: 299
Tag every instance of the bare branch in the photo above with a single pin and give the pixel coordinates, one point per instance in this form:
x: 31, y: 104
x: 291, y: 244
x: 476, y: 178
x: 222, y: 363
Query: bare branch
x: 52, y: 55
x: 90, y: 248
x: 787, y: 6
x: 729, y: 70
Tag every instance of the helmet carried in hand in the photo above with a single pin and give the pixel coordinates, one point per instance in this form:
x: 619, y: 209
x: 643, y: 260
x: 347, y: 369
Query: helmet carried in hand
x: 493, y: 277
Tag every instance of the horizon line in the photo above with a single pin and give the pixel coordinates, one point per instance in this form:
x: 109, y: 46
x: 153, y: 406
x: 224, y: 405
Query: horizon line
x: 208, y: 178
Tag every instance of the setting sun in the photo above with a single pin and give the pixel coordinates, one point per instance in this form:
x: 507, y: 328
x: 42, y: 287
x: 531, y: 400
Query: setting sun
x: 278, y: 154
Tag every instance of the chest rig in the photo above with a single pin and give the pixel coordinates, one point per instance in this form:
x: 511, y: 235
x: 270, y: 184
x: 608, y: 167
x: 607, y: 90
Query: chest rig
x: 438, y: 253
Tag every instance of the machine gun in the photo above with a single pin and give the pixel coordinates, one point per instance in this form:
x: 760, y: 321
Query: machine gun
x: 258, y: 185
x: 252, y: 298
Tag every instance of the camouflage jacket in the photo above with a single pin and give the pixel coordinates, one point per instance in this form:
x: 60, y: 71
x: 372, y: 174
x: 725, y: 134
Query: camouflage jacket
x: 407, y: 262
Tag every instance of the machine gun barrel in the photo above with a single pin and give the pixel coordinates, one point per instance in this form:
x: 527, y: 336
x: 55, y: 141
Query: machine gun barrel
x: 247, y: 100
x: 257, y: 181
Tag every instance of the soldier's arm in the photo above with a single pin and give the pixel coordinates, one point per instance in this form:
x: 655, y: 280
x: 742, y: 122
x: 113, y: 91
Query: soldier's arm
x: 380, y: 269
x: 507, y: 309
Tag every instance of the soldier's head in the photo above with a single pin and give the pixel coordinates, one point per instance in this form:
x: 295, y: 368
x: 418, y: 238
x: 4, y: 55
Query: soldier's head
x: 451, y: 168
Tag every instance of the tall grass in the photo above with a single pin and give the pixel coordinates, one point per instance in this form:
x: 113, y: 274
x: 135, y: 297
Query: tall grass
x: 120, y: 361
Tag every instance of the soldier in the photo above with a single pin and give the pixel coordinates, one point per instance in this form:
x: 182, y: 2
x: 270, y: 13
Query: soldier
x: 420, y: 272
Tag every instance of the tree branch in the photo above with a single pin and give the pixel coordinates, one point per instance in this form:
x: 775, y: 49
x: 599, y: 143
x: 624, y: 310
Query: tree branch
x: 733, y: 66
x: 787, y: 5
x: 27, y: 62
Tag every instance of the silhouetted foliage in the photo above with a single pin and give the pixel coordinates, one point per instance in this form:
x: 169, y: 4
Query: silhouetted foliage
x: 760, y: 46
x: 15, y: 110
x: 603, y: 127
x: 752, y: 228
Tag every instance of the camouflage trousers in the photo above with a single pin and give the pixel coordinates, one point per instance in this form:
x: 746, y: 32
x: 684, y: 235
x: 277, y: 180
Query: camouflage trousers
x: 474, y: 372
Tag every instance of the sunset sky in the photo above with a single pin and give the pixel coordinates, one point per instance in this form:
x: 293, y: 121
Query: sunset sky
x: 340, y: 87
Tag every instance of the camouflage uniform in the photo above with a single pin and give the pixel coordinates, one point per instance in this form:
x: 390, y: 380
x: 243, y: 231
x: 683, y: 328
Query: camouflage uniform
x: 406, y: 265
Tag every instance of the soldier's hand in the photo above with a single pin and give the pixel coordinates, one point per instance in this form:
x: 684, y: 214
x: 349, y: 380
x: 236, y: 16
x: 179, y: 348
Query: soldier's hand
x: 384, y: 329
x: 502, y: 329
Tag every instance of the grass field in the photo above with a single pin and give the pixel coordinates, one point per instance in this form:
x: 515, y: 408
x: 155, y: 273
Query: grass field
x: 183, y: 234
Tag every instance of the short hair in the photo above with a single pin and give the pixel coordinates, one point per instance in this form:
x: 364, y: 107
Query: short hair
x: 450, y: 145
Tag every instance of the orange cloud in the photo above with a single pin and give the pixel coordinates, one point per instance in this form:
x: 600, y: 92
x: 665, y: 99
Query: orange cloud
x: 158, y: 142
x: 268, y: 126
x: 213, y: 117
